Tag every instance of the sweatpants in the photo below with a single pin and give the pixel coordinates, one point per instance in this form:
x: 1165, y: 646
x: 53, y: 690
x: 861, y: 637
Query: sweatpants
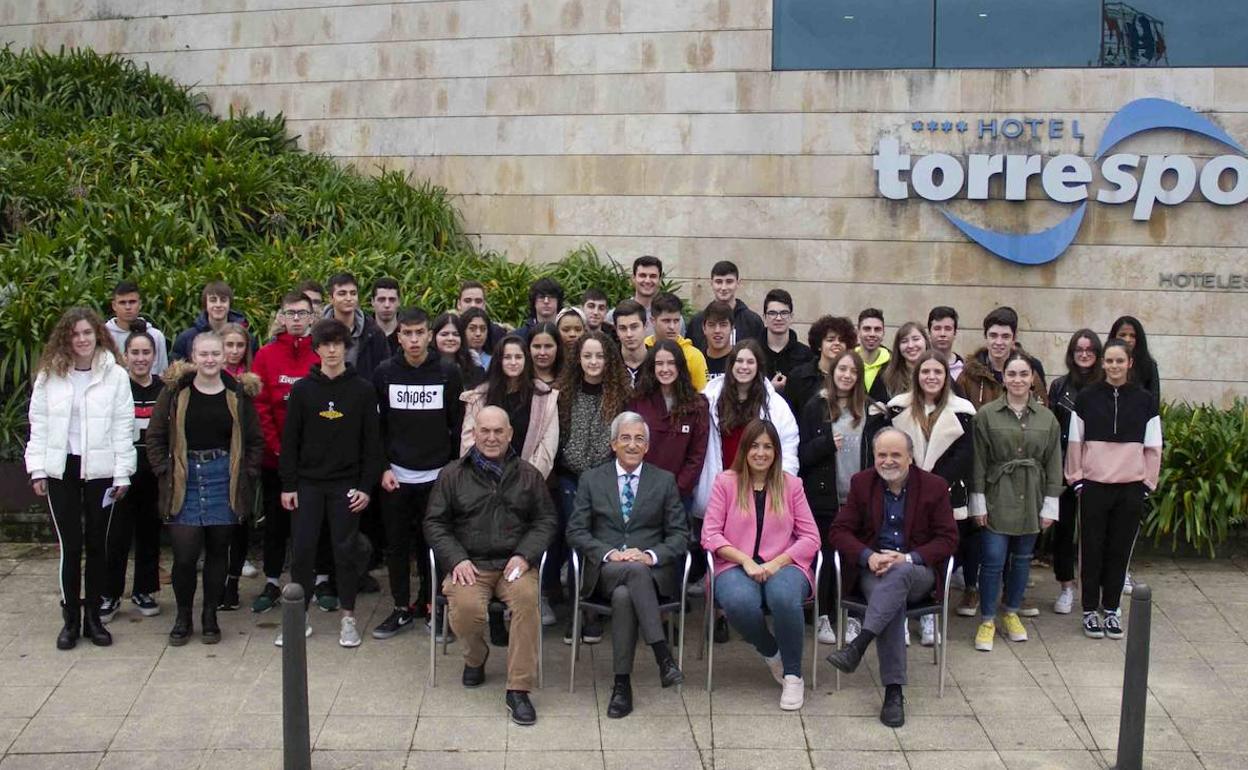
x: 321, y: 502
x: 82, y: 525
x: 403, y: 512
x: 136, y: 518
x: 1109, y: 519
x: 277, y: 531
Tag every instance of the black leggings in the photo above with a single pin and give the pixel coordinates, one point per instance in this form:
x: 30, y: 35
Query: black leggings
x: 137, y: 519
x: 81, y: 524
x: 188, y: 543
x: 240, y: 540
x: 1065, y: 549
x: 321, y: 505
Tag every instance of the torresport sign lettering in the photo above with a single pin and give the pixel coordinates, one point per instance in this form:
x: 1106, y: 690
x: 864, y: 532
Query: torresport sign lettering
x: 1146, y: 181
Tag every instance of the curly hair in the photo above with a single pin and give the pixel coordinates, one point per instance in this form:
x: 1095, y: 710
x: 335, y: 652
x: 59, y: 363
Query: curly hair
x: 58, y: 353
x: 686, y: 401
x: 616, y: 389
x: 734, y: 412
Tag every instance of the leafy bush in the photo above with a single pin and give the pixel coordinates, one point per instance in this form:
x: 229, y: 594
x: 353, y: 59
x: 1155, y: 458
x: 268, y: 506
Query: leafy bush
x: 112, y: 172
x: 1202, y: 494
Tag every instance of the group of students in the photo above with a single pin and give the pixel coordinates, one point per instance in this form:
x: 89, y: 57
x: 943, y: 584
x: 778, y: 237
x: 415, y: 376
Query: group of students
x: 342, y: 421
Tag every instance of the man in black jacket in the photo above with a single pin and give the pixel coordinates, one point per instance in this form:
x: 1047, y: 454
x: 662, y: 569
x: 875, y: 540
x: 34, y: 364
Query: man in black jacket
x: 418, y: 397
x: 330, y: 460
x: 746, y: 324
x: 489, y: 520
x: 369, y: 347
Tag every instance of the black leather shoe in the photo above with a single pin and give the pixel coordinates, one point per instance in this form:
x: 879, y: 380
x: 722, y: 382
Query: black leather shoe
x: 521, y: 708
x: 474, y: 676
x: 67, y: 639
x: 182, y: 628
x: 669, y: 673
x: 211, y: 632
x: 893, y: 713
x: 721, y: 630
x: 93, y: 628
x: 846, y: 659
x: 621, y: 703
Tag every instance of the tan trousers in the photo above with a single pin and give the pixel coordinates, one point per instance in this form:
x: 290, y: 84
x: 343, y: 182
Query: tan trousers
x: 469, y: 605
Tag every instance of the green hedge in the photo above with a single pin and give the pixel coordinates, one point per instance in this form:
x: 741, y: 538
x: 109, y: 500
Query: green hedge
x: 1202, y: 494
x: 111, y: 172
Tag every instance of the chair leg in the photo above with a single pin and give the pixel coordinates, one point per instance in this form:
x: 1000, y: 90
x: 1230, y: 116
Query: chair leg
x: 576, y: 639
x: 814, y: 646
x: 840, y: 641
x: 710, y: 632
x: 940, y: 634
x: 541, y: 655
x: 446, y: 626
x: 941, y: 644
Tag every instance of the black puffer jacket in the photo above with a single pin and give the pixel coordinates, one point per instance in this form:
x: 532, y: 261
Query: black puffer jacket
x: 816, y: 453
x: 473, y: 516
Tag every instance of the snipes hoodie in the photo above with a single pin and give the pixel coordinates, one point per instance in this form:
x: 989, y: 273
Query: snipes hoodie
x: 420, y: 411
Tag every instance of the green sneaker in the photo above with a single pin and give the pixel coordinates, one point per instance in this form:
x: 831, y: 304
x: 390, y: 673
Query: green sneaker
x: 268, y: 598
x: 326, y: 597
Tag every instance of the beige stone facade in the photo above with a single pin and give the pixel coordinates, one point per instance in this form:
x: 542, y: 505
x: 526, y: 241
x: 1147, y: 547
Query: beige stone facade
x: 652, y: 126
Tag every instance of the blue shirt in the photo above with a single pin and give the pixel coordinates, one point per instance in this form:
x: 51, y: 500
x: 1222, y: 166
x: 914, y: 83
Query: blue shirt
x: 892, y: 537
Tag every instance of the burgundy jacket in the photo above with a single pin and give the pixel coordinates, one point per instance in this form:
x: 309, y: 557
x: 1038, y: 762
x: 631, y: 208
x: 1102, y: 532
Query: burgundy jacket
x: 676, y: 446
x: 929, y: 530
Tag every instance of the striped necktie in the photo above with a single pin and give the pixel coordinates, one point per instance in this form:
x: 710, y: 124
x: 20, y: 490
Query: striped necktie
x: 627, y: 496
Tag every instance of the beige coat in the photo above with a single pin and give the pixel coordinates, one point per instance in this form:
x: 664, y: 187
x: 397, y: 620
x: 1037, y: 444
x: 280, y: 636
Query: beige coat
x: 541, y: 443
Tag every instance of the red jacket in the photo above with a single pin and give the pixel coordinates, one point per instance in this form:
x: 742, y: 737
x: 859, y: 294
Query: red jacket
x: 929, y: 529
x: 677, y: 447
x: 279, y: 364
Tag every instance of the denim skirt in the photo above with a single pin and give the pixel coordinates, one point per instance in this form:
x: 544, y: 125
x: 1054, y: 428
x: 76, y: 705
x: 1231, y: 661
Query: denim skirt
x: 207, y: 502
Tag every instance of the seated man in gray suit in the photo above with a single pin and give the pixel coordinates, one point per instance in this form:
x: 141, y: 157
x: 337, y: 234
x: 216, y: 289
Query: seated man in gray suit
x: 629, y: 526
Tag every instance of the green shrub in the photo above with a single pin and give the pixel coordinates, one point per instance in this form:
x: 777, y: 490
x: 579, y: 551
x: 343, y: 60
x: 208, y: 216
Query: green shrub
x: 111, y: 172
x: 1202, y: 494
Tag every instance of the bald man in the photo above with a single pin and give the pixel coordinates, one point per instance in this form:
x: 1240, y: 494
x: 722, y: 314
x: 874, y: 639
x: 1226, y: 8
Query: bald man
x: 893, y: 533
x: 489, y: 520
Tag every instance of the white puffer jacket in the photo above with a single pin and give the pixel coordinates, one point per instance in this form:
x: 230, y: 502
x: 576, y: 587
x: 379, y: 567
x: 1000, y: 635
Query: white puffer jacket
x: 777, y: 410
x: 107, y: 424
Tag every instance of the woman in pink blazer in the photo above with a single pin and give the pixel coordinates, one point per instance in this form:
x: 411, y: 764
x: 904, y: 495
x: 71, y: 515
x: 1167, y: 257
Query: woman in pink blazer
x: 760, y: 528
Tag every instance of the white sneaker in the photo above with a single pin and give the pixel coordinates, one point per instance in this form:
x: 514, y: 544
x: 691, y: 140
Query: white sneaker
x: 1065, y: 601
x: 307, y: 631
x: 907, y: 632
x: 853, y: 627
x: 927, y: 628
x: 776, y: 665
x: 827, y: 634
x: 548, y: 613
x: 249, y: 569
x: 1128, y: 585
x: 794, y: 693
x: 348, y: 634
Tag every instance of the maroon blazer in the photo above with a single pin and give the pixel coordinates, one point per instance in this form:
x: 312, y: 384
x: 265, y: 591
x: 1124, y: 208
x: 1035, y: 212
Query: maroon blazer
x: 930, y: 529
x: 676, y: 446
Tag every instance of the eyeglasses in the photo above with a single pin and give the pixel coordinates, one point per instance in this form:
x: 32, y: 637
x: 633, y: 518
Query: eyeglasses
x: 778, y: 313
x: 296, y: 313
x: 1085, y: 351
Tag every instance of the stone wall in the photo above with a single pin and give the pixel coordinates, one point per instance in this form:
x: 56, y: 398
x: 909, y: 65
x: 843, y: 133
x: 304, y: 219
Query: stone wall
x: 652, y: 126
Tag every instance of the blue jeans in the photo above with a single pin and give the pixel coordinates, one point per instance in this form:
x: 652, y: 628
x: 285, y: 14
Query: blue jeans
x: 743, y: 600
x: 994, y: 549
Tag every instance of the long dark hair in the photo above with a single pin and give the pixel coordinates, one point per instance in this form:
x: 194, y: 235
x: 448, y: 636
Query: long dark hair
x: 686, y: 401
x: 918, y: 399
x: 858, y: 399
x: 1075, y: 374
x: 548, y: 328
x: 461, y: 358
x: 897, y: 372
x: 616, y: 388
x: 467, y: 317
x: 1142, y: 359
x: 496, y: 384
x: 732, y: 411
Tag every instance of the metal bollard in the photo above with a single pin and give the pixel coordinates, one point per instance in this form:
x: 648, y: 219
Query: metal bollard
x: 296, y: 744
x: 1135, y: 681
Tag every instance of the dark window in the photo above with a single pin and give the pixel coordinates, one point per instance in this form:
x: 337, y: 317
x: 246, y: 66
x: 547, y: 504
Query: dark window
x: 901, y: 34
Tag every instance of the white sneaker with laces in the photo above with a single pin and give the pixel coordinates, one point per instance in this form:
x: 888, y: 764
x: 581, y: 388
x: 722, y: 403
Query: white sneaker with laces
x: 794, y: 693
x: 927, y: 628
x: 348, y: 634
x: 307, y: 631
x: 853, y: 627
x: 826, y: 634
x: 1065, y: 601
x: 249, y: 569
x: 958, y: 581
x: 776, y: 666
x: 548, y: 613
x: 907, y: 632
x: 1128, y: 585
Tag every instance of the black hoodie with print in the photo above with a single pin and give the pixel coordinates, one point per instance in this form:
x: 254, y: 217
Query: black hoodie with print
x: 332, y: 431
x: 421, y: 412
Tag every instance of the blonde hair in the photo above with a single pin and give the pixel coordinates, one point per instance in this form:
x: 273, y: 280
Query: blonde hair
x: 773, y: 485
